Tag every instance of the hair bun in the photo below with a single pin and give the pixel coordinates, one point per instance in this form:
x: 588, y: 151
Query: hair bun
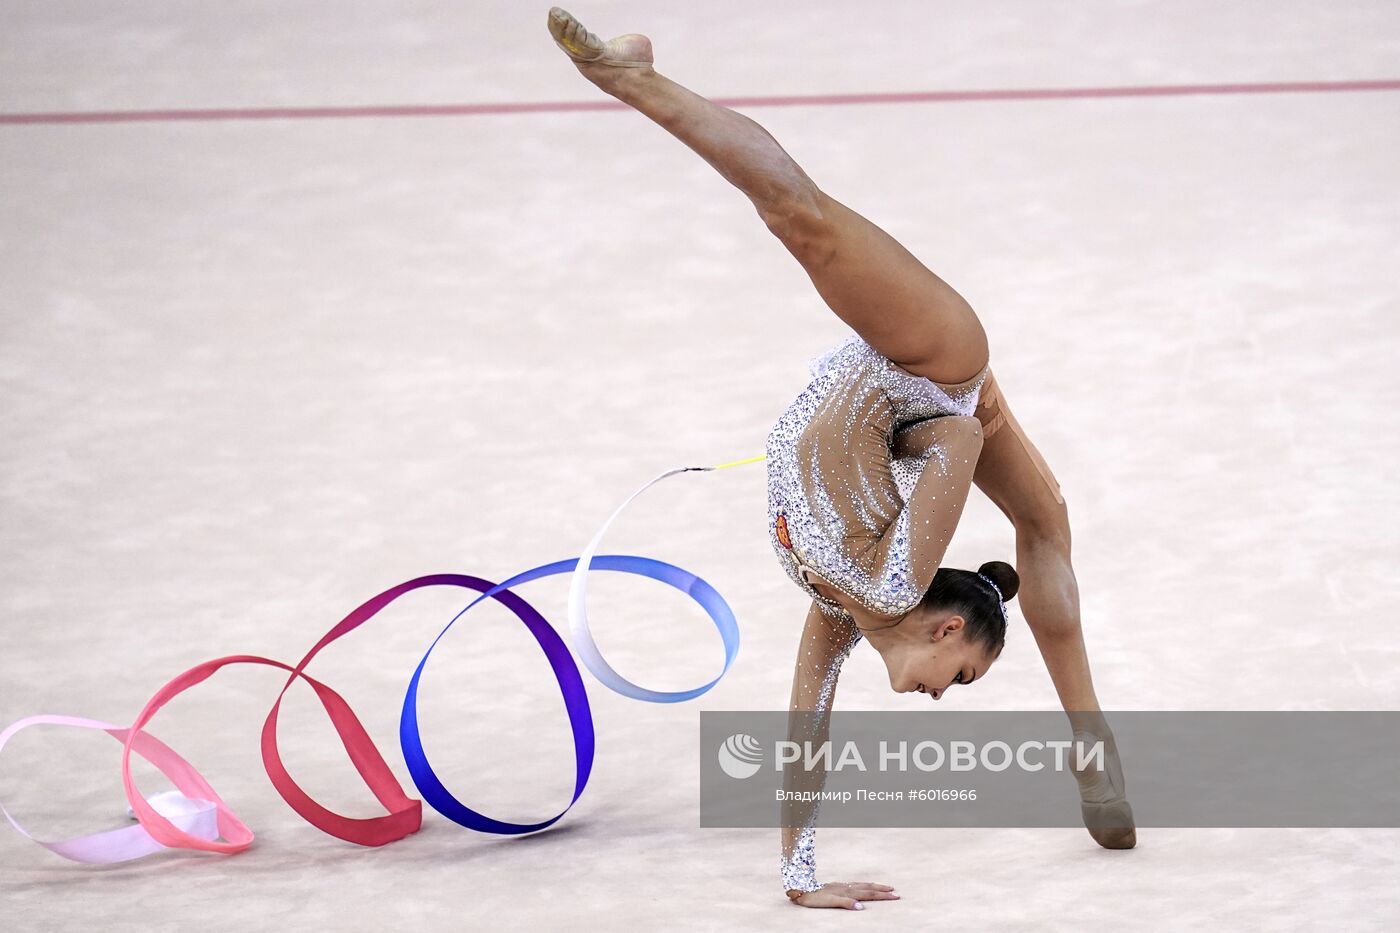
x: 1004, y: 576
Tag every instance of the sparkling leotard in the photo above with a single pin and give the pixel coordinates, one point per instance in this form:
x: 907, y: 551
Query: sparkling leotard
x: 852, y: 482
x: 839, y: 484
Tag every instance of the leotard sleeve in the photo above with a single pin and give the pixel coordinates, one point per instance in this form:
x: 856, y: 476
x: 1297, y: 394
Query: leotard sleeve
x: 825, y: 645
x: 872, y: 542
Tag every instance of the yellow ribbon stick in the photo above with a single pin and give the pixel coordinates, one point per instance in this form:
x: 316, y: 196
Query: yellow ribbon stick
x: 738, y: 462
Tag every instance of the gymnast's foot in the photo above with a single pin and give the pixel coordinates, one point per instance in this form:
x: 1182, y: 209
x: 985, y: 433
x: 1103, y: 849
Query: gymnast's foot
x: 1102, y: 802
x: 603, y: 63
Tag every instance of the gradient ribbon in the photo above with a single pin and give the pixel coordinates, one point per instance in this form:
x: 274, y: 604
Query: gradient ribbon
x: 120, y: 845
x: 196, y: 817
x: 703, y: 593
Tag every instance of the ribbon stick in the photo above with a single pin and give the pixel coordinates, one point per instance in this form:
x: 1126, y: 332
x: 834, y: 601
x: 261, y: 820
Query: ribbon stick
x: 734, y: 463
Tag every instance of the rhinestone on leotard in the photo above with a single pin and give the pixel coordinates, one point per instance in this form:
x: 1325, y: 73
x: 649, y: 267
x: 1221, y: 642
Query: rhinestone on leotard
x: 814, y: 526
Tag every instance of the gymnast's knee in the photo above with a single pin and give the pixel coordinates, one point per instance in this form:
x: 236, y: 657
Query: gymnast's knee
x: 1045, y: 525
x: 796, y: 218
x: 1049, y: 593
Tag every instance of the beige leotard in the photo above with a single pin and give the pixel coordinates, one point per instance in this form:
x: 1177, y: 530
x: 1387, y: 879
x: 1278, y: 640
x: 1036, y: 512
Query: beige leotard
x: 843, y: 505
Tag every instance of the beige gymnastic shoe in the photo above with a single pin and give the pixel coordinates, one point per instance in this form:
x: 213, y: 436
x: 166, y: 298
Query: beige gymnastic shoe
x: 1103, y: 803
x: 585, y: 48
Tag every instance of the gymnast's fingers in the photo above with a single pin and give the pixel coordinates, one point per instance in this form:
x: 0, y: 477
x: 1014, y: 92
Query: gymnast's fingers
x: 868, y: 891
x: 861, y: 891
x: 827, y: 897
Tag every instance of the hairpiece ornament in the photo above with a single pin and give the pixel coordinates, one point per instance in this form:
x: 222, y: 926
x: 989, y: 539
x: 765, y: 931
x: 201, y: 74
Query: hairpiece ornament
x: 1000, y: 601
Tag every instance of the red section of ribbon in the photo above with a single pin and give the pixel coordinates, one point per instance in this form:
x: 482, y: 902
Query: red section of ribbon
x: 404, y: 816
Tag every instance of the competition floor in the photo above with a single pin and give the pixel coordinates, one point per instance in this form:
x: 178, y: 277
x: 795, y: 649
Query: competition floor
x: 257, y: 370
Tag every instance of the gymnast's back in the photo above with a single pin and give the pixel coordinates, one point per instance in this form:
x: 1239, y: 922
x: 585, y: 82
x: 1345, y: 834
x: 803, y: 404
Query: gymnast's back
x: 851, y: 504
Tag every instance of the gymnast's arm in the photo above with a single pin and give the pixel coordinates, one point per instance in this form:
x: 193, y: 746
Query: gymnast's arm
x: 952, y: 444
x: 890, y: 548
x: 826, y: 642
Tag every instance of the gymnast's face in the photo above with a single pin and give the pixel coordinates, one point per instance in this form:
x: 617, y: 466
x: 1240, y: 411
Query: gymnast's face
x: 933, y: 654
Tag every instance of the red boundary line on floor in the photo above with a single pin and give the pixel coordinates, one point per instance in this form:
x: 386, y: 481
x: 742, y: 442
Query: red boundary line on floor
x: 453, y: 110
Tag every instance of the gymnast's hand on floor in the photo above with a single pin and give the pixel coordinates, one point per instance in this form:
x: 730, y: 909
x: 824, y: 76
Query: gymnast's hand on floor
x: 847, y: 894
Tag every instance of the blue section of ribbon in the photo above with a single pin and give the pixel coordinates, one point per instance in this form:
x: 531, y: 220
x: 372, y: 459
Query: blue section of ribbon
x: 566, y: 673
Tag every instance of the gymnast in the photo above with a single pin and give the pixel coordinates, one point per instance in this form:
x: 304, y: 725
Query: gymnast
x: 869, y: 468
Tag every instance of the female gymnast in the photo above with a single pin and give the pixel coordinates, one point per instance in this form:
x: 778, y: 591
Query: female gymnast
x: 869, y: 468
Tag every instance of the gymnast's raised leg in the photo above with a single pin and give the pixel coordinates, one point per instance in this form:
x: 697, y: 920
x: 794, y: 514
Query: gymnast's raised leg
x: 912, y: 317
x: 872, y: 282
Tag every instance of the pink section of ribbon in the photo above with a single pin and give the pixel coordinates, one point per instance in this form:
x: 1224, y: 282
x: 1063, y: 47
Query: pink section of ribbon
x: 120, y: 845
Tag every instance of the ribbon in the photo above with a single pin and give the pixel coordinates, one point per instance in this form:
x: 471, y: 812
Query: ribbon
x: 702, y: 593
x: 404, y: 814
x: 121, y: 845
x: 571, y: 684
x: 197, y: 818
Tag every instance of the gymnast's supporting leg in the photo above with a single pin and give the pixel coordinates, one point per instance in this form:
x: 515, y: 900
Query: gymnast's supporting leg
x: 867, y: 278
x: 1049, y: 597
x: 1014, y: 475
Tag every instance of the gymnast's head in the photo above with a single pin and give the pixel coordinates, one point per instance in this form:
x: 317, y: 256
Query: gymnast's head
x: 955, y: 633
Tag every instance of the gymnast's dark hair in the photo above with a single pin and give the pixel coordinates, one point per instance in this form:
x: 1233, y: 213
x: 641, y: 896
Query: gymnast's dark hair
x: 965, y: 593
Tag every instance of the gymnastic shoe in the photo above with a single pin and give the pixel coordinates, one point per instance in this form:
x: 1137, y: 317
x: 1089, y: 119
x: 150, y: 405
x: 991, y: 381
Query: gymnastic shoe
x: 585, y: 48
x: 1103, y: 804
